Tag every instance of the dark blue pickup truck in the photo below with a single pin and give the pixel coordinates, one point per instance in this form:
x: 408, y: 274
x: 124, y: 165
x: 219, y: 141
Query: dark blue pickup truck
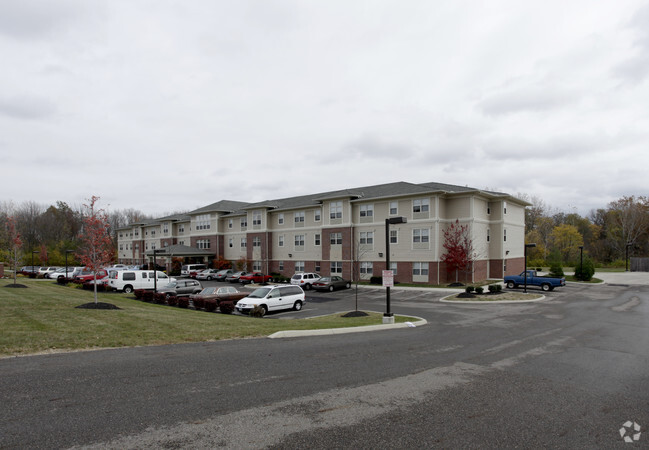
x: 546, y: 283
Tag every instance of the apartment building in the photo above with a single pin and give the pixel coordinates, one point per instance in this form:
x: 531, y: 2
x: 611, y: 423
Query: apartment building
x: 343, y: 232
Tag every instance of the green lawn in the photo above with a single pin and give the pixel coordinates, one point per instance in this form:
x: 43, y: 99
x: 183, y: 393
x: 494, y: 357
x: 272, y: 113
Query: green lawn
x: 43, y: 317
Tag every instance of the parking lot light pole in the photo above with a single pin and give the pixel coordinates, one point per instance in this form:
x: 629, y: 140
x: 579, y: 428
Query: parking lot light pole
x: 626, y: 259
x: 581, y: 260
x: 155, y: 269
x: 33, y: 272
x: 66, y: 264
x: 388, y: 316
x: 525, y: 272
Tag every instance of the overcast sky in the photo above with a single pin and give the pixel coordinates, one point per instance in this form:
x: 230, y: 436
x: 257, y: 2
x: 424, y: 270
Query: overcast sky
x: 166, y: 106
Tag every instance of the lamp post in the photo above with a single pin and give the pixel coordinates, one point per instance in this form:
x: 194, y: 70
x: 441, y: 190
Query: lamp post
x: 532, y: 245
x: 33, y: 272
x: 388, y: 316
x: 66, y: 264
x: 626, y: 259
x: 581, y: 261
x: 155, y: 269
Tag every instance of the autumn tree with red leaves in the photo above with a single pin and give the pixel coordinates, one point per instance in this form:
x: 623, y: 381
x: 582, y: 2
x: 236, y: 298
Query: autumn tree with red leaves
x: 96, y: 246
x: 15, y: 241
x: 459, y: 254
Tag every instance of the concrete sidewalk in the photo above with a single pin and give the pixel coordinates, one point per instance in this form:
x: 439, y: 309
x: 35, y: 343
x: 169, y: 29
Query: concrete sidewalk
x: 630, y: 278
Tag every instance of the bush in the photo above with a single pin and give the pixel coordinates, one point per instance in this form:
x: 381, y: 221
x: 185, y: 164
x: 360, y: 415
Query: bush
x: 491, y: 288
x: 172, y: 300
x: 257, y: 311
x: 376, y: 280
x: 585, y: 272
x: 147, y: 296
x: 210, y: 305
x: 479, y: 290
x: 199, y: 303
x: 138, y: 293
x: 226, y: 307
x: 556, y: 270
x: 183, y: 302
x: 469, y: 289
x: 160, y: 298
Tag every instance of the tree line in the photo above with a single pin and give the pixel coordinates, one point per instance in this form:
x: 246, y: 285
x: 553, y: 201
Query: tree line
x: 607, y: 235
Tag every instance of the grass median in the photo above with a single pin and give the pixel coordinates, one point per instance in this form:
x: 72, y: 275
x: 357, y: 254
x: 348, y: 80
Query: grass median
x: 43, y: 318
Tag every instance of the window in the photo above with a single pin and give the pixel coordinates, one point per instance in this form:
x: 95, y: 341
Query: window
x: 336, y: 267
x: 317, y: 266
x: 299, y: 266
x: 299, y: 240
x: 181, y: 242
x: 256, y: 241
x: 393, y: 267
x: 153, y: 246
x: 280, y: 219
x: 181, y: 229
x: 505, y: 235
x: 317, y: 215
x: 137, y: 246
x: 280, y: 241
x: 336, y: 238
x: 256, y: 266
x: 165, y: 228
x: 504, y: 207
x: 394, y: 236
x: 299, y: 217
x: 366, y: 268
x: 367, y: 237
x: 137, y: 233
x: 203, y: 222
x: 336, y: 210
x: 316, y: 239
x: 244, y: 222
x: 421, y: 205
x: 146, y: 246
x: 420, y: 269
x: 367, y: 210
x: 488, y: 210
x: 281, y: 266
x: 230, y: 242
x: 203, y: 244
x: 256, y: 218
x: 420, y: 235
x: 488, y: 235
x: 394, y: 208
x: 244, y: 242
x: 152, y: 232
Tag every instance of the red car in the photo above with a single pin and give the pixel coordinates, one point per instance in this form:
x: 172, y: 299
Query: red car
x: 87, y: 275
x: 255, y: 277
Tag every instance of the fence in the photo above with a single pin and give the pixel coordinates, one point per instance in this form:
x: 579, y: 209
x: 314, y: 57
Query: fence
x: 639, y: 264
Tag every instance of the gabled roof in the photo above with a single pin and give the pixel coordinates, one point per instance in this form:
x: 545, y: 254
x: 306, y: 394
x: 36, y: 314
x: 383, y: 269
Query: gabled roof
x: 225, y: 206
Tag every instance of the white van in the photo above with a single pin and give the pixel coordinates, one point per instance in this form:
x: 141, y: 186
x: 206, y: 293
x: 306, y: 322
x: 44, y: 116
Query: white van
x: 187, y: 269
x: 129, y: 280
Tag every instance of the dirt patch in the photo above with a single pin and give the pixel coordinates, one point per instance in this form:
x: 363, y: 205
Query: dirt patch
x: 98, y: 305
x: 15, y: 285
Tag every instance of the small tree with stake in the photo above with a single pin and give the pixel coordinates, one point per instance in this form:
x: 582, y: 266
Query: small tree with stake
x: 15, y: 241
x: 96, y: 246
x: 459, y: 248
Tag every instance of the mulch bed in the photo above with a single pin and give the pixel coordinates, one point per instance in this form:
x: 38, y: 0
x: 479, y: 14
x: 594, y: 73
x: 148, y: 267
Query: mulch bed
x: 355, y: 314
x: 98, y: 305
x: 16, y: 285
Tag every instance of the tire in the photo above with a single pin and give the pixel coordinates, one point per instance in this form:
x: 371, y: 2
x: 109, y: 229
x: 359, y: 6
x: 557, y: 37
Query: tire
x: 307, y: 287
x: 546, y: 287
x: 264, y: 310
x: 297, y: 306
x: 128, y: 289
x: 511, y: 285
x: 167, y: 296
x: 331, y: 288
x: 348, y: 286
x: 209, y: 278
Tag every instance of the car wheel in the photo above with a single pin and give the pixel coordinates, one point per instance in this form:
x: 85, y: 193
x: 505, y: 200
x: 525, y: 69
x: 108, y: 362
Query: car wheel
x: 307, y: 287
x: 128, y: 289
x: 297, y: 306
x: 348, y: 285
x: 331, y: 288
x: 546, y: 287
x: 209, y: 278
x: 511, y: 285
x: 264, y: 310
x: 167, y: 296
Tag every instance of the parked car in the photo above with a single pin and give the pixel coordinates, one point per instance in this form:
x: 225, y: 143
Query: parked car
x: 533, y: 279
x: 331, y: 283
x: 26, y: 270
x: 234, y: 277
x: 305, y: 279
x: 255, y: 277
x: 188, y: 269
x: 181, y: 288
x: 207, y: 274
x: 272, y: 298
x: 129, y: 280
x: 88, y: 275
x: 102, y: 284
x: 221, y: 275
x: 60, y: 273
x: 223, y: 293
x: 45, y: 271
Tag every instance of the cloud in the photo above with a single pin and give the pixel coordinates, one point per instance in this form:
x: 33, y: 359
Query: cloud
x: 635, y: 69
x: 27, y: 107
x: 534, y: 97
x: 36, y: 19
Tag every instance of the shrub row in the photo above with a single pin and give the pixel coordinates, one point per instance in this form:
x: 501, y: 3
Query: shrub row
x: 492, y: 288
x: 226, y: 307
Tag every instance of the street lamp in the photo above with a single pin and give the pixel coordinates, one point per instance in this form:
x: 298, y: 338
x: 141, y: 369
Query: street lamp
x: 626, y: 259
x: 532, y: 245
x: 581, y: 261
x: 66, y: 264
x: 33, y: 272
x: 388, y: 316
x: 155, y: 269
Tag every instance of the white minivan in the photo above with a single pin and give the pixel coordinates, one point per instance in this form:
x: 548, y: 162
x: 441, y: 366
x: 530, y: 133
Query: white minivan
x: 129, y: 280
x: 272, y: 298
x: 187, y: 269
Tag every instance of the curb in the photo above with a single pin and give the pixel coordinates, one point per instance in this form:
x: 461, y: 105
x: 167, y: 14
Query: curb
x: 331, y: 331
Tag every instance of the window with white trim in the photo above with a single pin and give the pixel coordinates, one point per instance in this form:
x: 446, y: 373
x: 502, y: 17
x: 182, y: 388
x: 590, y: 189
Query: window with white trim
x: 367, y: 237
x: 316, y: 239
x: 203, y: 222
x: 317, y: 215
x: 393, y: 267
x: 299, y: 217
x: 505, y: 235
x: 336, y: 267
x: 420, y: 235
x: 281, y: 266
x: 394, y: 234
x: 394, y: 208
x: 280, y: 219
x: 336, y: 210
x: 367, y: 210
x: 299, y: 240
x: 244, y: 223
x: 366, y: 268
x: 230, y: 222
x: 256, y: 218
x: 244, y: 242
x: 299, y: 266
x: 336, y: 238
x: 420, y: 269
x: 256, y: 241
x: 420, y: 205
x: 230, y: 242
x: 280, y: 240
x: 256, y: 266
x: 203, y: 244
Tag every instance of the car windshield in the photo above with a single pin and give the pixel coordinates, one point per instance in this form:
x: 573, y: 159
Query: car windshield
x: 208, y: 291
x: 259, y: 293
x: 173, y: 284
